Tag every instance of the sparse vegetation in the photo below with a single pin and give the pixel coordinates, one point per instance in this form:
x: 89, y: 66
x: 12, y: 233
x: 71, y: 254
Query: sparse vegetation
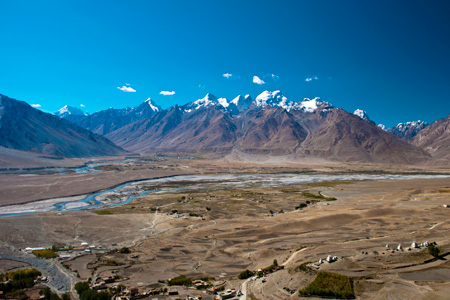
x: 104, y: 212
x: 305, y: 268
x: 327, y: 284
x: 318, y: 196
x: 207, y: 278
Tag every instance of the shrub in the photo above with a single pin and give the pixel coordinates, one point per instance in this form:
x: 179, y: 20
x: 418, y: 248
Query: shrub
x: 110, y: 262
x: 328, y: 284
x: 245, y: 274
x: 104, y: 212
x: 301, y: 206
x: 180, y: 280
x: 125, y: 250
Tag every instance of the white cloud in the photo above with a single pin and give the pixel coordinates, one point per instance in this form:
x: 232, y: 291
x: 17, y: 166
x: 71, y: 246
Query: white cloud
x: 127, y: 84
x: 167, y: 93
x: 127, y: 89
x: 258, y: 80
x: 82, y: 105
x: 35, y: 105
x: 275, y: 77
x: 227, y: 75
x: 308, y: 79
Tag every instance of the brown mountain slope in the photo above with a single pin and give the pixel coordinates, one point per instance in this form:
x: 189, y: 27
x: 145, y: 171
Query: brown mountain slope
x: 271, y: 130
x: 345, y: 137
x: 28, y: 129
x: 172, y: 130
x: 435, y: 139
x: 330, y: 134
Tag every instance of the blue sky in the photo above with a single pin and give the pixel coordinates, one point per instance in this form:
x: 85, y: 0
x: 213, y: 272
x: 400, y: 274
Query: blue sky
x: 390, y: 59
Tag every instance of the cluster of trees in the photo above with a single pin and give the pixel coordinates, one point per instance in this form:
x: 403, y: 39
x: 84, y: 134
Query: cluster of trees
x: 245, y: 274
x: 180, y: 280
x: 328, y: 284
x: 18, y: 281
x: 49, y: 295
x: 46, y: 253
x: 86, y: 293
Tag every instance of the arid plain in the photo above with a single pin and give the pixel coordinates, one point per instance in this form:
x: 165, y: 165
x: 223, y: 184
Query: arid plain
x: 221, y: 231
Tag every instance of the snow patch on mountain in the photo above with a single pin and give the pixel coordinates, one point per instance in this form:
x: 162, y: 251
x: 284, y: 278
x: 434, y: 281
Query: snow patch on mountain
x: 223, y: 102
x: 312, y: 105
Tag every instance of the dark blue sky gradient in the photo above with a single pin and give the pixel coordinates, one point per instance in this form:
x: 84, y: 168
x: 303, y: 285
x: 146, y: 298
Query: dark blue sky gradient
x: 390, y: 59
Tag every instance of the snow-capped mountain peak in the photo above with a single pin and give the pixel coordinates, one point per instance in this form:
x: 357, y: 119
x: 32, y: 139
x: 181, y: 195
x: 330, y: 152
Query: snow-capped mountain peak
x: 406, y: 131
x: 152, y: 105
x: 69, y: 110
x: 208, y: 100
x: 240, y: 103
x: 363, y: 115
x: 275, y: 99
x: 311, y: 105
x: 382, y: 126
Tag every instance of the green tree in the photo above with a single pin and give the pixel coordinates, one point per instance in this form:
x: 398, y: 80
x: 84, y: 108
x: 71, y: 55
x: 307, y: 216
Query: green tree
x: 65, y: 296
x: 433, y: 250
x: 82, y: 286
x: 245, y: 274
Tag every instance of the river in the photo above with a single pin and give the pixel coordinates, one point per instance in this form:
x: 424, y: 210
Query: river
x: 127, y: 192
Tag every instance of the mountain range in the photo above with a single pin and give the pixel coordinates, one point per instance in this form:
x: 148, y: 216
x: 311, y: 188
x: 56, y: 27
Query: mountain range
x: 270, y: 125
x: 106, y: 121
x: 25, y: 128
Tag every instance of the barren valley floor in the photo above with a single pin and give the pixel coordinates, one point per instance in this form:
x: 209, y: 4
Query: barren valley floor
x: 220, y: 232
